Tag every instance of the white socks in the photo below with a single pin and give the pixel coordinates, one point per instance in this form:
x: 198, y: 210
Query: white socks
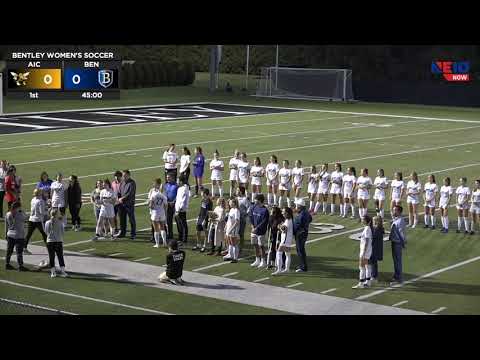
x: 213, y: 190
x: 362, y: 273
x: 459, y: 222
x: 341, y: 209
x: 280, y: 198
x: 362, y: 212
x: 382, y: 213
x: 274, y: 199
x: 332, y: 208
x: 288, y: 261
x: 353, y: 209
x: 426, y: 219
x: 368, y: 272
x: 253, y: 196
x: 156, y: 236
x: 163, y: 234
x: 269, y: 198
x: 288, y: 202
x: 432, y: 220
x: 467, y: 223
x: 236, y: 251
x: 445, y: 221
x: 220, y: 190
x: 279, y: 260
x: 312, y: 205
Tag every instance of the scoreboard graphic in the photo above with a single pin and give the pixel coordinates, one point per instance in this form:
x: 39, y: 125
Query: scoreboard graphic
x: 63, y: 76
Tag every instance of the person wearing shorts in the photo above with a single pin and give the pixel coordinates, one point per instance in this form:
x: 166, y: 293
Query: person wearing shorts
x: 349, y: 182
x: 364, y: 183
x: 206, y: 205
x: 312, y: 187
x: 285, y: 175
x: 397, y: 192
x: 257, y: 172
x: 323, y: 190
x: 463, y: 192
x: 336, y: 188
x: 198, y: 169
x: 157, y: 204
x: 271, y: 171
x: 170, y: 161
x: 381, y: 185
x: 232, y: 231
x: 446, y: 192
x: 413, y: 199
x: 297, y: 177
x: 475, y: 206
x: 259, y: 217
x: 286, y: 242
x: 430, y: 191
x: 233, y: 166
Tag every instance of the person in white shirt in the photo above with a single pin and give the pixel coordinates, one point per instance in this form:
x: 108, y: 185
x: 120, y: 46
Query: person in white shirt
x: 185, y: 164
x: 475, y: 206
x: 365, y: 253
x: 216, y: 168
x: 364, y: 184
x: 336, y: 188
x: 107, y: 212
x: 181, y: 206
x: 380, y: 184
x: 312, y: 187
x: 323, y: 189
x: 446, y: 192
x: 157, y: 204
x: 55, y: 229
x: 463, y: 192
x: 233, y: 166
x: 243, y: 172
x: 297, y: 177
x: 232, y: 231
x: 286, y: 242
x: 216, y: 232
x: 257, y: 172
x: 170, y: 160
x: 271, y: 171
x: 413, y: 199
x: 285, y: 175
x: 430, y: 191
x: 35, y: 221
x: 3, y: 174
x: 397, y: 191
x: 349, y: 185
x: 59, y: 201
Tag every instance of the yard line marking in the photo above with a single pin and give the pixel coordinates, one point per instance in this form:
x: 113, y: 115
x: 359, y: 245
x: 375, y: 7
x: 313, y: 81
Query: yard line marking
x: 77, y: 242
x: 430, y: 274
x: 331, y: 236
x: 38, y: 307
x: 329, y: 291
x: 438, y: 310
x: 143, y: 259
x: 116, y: 254
x: 36, y: 242
x: 400, y: 303
x: 38, y: 127
x: 230, y: 274
x: 294, y: 285
x: 86, y: 250
x: 41, y: 117
x: 84, y: 297
x: 262, y: 279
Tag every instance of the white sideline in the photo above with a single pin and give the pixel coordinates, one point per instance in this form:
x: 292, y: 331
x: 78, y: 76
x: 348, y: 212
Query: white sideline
x: 400, y: 303
x: 438, y: 310
x: 83, y: 297
x: 328, y: 291
x: 230, y: 274
x: 430, y: 274
x: 294, y: 285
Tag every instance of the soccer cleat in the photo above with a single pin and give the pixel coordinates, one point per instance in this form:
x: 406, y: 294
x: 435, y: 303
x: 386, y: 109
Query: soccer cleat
x: 78, y: 228
x: 360, y: 285
x: 202, y: 250
x: 426, y: 226
x: 156, y: 246
x: 299, y: 270
x: 414, y: 226
x: 26, y: 252
x: 53, y: 273
x: 352, y: 217
x: 255, y: 263
x: 262, y: 264
x: 466, y: 232
x: 9, y: 267
x: 277, y: 272
x: 472, y: 232
x: 195, y: 248
x: 63, y: 274
x: 74, y: 228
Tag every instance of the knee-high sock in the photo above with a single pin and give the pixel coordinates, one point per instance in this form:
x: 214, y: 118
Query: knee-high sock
x: 459, y: 222
x: 324, y: 206
x: 317, y: 206
x: 253, y: 196
x: 230, y: 191
x: 236, y: 251
x: 231, y: 251
x: 156, y: 236
x: 382, y: 213
x: 99, y: 228
x: 362, y: 273
x: 220, y: 190
x: 279, y: 260
x: 163, y: 234
x: 288, y: 260
x: 467, y: 223
x: 213, y: 190
x: 415, y: 219
x: 432, y: 220
x: 360, y: 212
x: 368, y: 272
x: 332, y: 208
x: 269, y: 198
x: 280, y: 199
x: 274, y: 199
x: 426, y: 218
x: 341, y: 209
x: 353, y: 209
x: 312, y: 205
x: 288, y: 201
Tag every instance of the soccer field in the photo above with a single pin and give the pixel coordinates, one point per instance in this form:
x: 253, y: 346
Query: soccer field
x: 429, y: 140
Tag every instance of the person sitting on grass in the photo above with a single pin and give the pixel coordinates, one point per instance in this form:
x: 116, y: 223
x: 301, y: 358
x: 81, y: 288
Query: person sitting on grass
x: 175, y: 261
x: 15, y: 222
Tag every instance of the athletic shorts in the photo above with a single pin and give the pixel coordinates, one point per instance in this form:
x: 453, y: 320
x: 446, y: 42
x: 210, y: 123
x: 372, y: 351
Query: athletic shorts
x: 312, y: 188
x: 462, y: 207
x: 233, y: 175
x: 285, y: 187
x: 396, y: 198
x: 273, y: 182
x: 256, y: 180
x: 430, y: 203
x: 363, y: 195
x: 475, y: 209
x: 411, y: 200
x: 323, y: 190
x: 348, y: 194
x: 380, y: 196
x: 157, y: 216
x: 260, y: 240
x: 299, y: 186
x: 335, y: 189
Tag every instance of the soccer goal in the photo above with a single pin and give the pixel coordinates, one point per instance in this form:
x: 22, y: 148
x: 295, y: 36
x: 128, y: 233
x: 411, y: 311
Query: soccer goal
x: 303, y: 83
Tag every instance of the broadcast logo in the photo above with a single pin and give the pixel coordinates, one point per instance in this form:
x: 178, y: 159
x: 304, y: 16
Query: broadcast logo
x: 20, y: 78
x: 105, y: 78
x: 457, y: 71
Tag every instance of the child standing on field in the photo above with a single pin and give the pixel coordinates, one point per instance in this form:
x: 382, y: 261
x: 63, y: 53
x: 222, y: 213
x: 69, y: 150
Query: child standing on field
x: 365, y: 254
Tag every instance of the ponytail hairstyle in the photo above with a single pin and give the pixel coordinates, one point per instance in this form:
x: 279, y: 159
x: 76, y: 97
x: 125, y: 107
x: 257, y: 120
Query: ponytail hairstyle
x: 448, y: 181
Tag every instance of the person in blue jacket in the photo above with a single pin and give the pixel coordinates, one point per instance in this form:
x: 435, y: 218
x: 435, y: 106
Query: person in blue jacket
x: 198, y: 169
x: 300, y: 230
x: 259, y: 219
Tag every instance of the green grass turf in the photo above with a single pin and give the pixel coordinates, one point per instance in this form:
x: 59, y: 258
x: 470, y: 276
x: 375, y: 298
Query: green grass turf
x: 307, y: 136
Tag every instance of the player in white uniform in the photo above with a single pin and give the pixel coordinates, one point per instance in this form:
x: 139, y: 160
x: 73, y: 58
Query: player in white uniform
x: 323, y: 189
x: 233, y: 166
x: 285, y: 175
x: 216, y: 168
x: 414, y: 189
x: 170, y: 160
x: 257, y: 172
x: 364, y: 184
x: 430, y: 191
x: 463, y: 192
x: 232, y: 232
x: 349, y: 184
x: 243, y: 172
x: 365, y: 253
x: 312, y: 189
x: 380, y: 184
x: 297, y: 176
x: 397, y: 191
x: 475, y: 206
x: 286, y: 242
x: 446, y: 192
x: 185, y: 161
x: 271, y: 171
x: 107, y: 212
x: 58, y: 190
x: 336, y: 188
x: 157, y: 203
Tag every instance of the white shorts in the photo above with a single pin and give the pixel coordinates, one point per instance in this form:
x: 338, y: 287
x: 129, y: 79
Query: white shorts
x: 366, y: 256
x: 158, y: 216
x: 379, y: 195
x: 443, y: 204
x: 273, y: 182
x: 107, y: 212
x: 256, y: 180
x: 363, y: 195
x: 430, y: 203
x: 411, y: 200
x: 312, y: 188
x: 233, y: 175
x: 260, y: 240
x: 335, y: 189
x: 323, y: 190
x: 242, y: 180
x: 234, y: 233
x: 475, y: 209
x: 396, y: 198
x: 285, y: 187
x: 216, y: 178
x: 462, y: 207
x: 286, y: 242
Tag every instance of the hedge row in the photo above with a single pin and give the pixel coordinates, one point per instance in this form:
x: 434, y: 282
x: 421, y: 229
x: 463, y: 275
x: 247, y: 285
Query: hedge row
x: 152, y: 74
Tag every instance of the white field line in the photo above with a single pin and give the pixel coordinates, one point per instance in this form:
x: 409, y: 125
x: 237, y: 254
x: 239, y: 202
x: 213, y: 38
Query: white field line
x: 260, y: 280
x: 218, y: 264
x: 329, y: 291
x: 37, y: 306
x: 430, y: 274
x: 294, y: 285
x: 38, y: 127
x: 143, y: 259
x: 230, y: 274
x: 302, y: 147
x: 400, y: 303
x: 76, y: 243
x: 438, y: 310
x: 41, y: 117
x: 116, y: 254
x: 83, y: 297
x: 87, y: 250
x: 360, y: 113
x: 179, y: 131
x: 36, y: 242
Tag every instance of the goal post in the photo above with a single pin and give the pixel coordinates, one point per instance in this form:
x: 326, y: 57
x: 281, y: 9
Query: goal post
x: 305, y: 83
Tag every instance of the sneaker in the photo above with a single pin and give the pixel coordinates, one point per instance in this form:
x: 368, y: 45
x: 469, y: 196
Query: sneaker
x: 53, y: 273
x: 233, y: 261
x: 352, y: 217
x: 195, y: 248
x: 156, y: 246
x: 63, y: 274
x: 202, y: 250
x: 299, y: 270
x: 261, y: 265
x: 177, y: 282
x: 276, y: 272
x: 78, y: 228
x: 23, y: 268
x: 9, y: 267
x: 414, y: 226
x: 255, y: 263
x: 95, y: 238
x: 119, y: 235
x: 26, y: 252
x: 344, y: 216
x: 466, y: 232
x: 360, y: 285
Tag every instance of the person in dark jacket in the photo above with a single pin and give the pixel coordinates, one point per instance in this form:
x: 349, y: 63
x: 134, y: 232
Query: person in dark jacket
x: 15, y: 226
x: 175, y: 261
x: 377, y: 247
x: 171, y: 189
x: 300, y: 230
x: 74, y: 196
x: 126, y: 198
x: 259, y: 219
x: 276, y: 218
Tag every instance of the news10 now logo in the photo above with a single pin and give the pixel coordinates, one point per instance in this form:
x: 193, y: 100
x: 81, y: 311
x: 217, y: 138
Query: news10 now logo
x: 457, y: 71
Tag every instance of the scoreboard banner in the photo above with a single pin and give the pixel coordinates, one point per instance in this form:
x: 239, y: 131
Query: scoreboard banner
x: 63, y: 75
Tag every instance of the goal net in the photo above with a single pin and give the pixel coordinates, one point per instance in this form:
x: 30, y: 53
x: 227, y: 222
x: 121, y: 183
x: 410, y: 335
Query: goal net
x: 303, y: 83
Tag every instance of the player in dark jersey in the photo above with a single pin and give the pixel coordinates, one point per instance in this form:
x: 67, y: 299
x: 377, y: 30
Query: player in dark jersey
x: 175, y: 260
x: 206, y: 205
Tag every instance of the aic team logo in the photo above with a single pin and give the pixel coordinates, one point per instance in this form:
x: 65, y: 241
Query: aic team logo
x: 105, y: 78
x: 20, y: 78
x: 452, y: 70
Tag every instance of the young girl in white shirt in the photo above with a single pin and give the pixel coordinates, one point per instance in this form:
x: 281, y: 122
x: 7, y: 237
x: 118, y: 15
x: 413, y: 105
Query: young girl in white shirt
x: 475, y: 206
x: 336, y: 188
x: 185, y: 164
x: 216, y: 168
x: 170, y: 160
x: 349, y: 185
x: 257, y: 172
x: 271, y: 171
x: 463, y: 192
x: 446, y: 192
x: 312, y: 189
x: 364, y: 184
x: 286, y: 242
x: 397, y: 191
x: 381, y: 185
x: 323, y: 187
x: 297, y: 176
x: 365, y: 253
x: 285, y: 175
x: 157, y: 203
x: 413, y: 199
x: 232, y: 231
x: 243, y: 172
x: 430, y: 191
x: 107, y: 213
x: 233, y: 166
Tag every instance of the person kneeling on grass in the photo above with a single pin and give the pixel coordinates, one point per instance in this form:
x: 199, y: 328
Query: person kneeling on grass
x: 55, y: 230
x: 15, y: 222
x: 175, y: 261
